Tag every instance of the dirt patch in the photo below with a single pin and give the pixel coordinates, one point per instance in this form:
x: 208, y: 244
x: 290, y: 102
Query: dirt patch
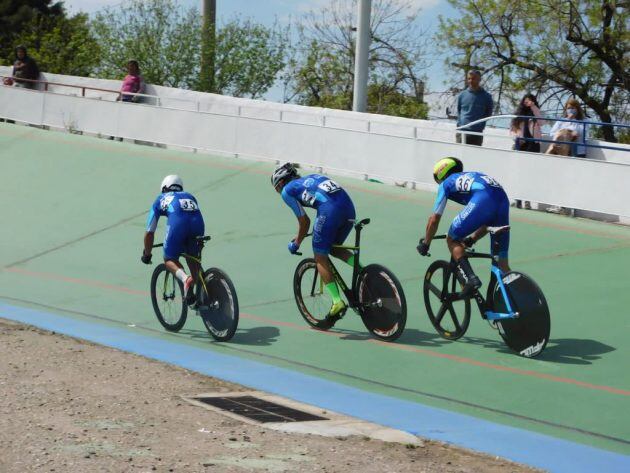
x: 71, y: 406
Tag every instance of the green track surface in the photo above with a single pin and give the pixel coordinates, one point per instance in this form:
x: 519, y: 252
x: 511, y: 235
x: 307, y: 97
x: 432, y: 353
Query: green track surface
x: 73, y: 220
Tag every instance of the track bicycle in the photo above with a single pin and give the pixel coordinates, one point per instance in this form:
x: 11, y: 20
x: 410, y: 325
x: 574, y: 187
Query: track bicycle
x: 215, y: 298
x: 375, y: 294
x: 514, y: 304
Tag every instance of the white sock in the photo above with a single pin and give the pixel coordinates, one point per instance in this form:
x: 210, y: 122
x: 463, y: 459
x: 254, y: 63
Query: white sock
x: 181, y: 275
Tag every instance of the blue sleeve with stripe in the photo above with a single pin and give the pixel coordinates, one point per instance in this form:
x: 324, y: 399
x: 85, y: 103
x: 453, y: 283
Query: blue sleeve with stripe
x: 292, y: 202
x: 154, y: 215
x: 440, y: 201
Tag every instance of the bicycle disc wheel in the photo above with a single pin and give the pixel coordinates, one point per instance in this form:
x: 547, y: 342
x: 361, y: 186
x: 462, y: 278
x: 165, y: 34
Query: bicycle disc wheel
x: 167, y: 296
x: 528, y: 333
x: 382, y: 302
x: 311, y: 298
x: 439, y: 283
x: 218, y: 304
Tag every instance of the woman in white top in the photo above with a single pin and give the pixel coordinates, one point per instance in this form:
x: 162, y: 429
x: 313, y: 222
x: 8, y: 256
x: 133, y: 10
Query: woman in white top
x: 573, y: 111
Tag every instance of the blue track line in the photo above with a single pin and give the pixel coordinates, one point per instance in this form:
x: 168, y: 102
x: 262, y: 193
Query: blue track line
x: 537, y: 450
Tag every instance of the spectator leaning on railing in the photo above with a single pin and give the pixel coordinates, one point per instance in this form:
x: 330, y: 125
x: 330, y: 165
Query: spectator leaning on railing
x: 473, y: 104
x: 132, y: 83
x: 569, y: 131
x: 24, y: 67
x: 526, y: 130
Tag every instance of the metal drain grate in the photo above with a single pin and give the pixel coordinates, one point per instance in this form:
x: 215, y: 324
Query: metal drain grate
x: 258, y: 409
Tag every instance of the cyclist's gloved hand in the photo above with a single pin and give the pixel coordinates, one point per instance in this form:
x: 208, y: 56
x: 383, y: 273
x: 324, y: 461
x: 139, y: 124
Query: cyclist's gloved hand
x: 469, y: 242
x: 293, y: 247
x: 422, y: 248
x: 146, y: 259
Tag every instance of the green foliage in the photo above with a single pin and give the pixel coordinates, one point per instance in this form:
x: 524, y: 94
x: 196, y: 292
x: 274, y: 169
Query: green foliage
x: 61, y: 45
x: 166, y: 40
x: 161, y: 36
x: 322, y: 71
x: 15, y: 15
x: 554, y: 48
x: 249, y: 57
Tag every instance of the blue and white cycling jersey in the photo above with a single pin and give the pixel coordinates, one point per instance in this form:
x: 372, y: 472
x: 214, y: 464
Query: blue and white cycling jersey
x: 184, y: 223
x: 173, y: 205
x: 312, y: 191
x: 462, y: 186
x: 335, y: 210
x: 486, y: 204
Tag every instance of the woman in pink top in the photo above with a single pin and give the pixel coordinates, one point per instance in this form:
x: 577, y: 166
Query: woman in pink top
x: 132, y: 82
x: 526, y: 127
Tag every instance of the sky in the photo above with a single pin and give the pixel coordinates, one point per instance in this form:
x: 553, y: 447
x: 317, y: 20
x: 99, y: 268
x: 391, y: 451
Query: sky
x: 267, y: 11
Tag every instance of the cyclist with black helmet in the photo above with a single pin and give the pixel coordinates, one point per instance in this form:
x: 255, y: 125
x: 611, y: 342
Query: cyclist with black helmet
x: 184, y: 224
x: 335, y: 217
x: 486, y: 205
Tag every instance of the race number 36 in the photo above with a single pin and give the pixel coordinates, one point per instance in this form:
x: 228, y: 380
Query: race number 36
x: 329, y: 186
x: 188, y: 205
x: 464, y: 183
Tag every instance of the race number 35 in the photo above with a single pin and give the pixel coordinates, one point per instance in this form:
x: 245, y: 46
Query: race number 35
x: 188, y: 205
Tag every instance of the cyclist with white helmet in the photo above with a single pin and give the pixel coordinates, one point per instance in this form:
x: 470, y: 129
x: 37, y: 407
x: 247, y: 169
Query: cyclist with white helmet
x: 334, y: 221
x: 487, y: 205
x: 184, y: 224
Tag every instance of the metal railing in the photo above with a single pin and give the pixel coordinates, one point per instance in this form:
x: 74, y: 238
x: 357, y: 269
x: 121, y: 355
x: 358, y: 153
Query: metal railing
x: 46, y: 84
x: 582, y: 123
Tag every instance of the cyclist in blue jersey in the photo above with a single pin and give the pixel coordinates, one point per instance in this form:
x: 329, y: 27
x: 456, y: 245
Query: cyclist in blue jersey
x: 334, y: 221
x: 184, y: 224
x: 486, y: 205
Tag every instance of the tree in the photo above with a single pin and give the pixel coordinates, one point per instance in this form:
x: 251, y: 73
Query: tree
x: 166, y: 40
x: 163, y: 37
x: 248, y: 57
x: 322, y: 73
x: 558, y: 48
x: 61, y: 45
x: 15, y: 14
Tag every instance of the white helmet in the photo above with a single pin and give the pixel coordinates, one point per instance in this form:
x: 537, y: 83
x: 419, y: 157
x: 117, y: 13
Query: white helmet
x: 172, y: 183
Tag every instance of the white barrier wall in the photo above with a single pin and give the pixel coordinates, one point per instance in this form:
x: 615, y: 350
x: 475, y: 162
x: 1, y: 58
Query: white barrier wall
x: 388, y: 148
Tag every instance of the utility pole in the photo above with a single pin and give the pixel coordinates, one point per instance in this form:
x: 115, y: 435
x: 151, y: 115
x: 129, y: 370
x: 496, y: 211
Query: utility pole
x: 361, y: 57
x: 208, y: 45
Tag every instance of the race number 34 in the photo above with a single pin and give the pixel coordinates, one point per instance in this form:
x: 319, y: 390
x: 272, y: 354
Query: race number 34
x: 329, y: 186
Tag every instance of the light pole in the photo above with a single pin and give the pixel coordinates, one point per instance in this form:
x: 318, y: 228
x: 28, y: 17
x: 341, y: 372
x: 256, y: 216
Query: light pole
x: 359, y: 99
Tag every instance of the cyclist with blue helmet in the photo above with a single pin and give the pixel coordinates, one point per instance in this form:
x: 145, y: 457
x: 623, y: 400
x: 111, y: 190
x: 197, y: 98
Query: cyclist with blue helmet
x: 334, y: 221
x: 184, y: 225
x: 486, y: 205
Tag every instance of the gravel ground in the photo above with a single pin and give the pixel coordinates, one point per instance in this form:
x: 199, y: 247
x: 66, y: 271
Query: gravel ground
x: 71, y: 406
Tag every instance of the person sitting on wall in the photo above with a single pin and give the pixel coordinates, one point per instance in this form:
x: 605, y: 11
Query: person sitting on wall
x: 572, y: 111
x: 24, y: 67
x: 132, y: 83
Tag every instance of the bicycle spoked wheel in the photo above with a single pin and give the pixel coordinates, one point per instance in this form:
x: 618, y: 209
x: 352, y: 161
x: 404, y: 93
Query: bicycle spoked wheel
x: 449, y: 318
x: 528, y: 333
x: 382, y: 302
x: 311, y: 298
x: 167, y: 296
x: 218, y: 304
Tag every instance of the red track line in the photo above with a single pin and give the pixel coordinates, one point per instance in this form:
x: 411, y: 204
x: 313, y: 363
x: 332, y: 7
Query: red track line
x: 424, y: 351
x: 83, y: 282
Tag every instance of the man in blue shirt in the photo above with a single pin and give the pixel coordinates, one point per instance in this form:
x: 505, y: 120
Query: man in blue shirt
x: 486, y: 205
x: 473, y: 104
x: 184, y: 225
x: 334, y: 221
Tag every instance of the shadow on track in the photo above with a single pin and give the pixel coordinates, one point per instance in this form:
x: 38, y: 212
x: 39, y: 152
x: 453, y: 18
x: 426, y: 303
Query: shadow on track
x: 256, y: 336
